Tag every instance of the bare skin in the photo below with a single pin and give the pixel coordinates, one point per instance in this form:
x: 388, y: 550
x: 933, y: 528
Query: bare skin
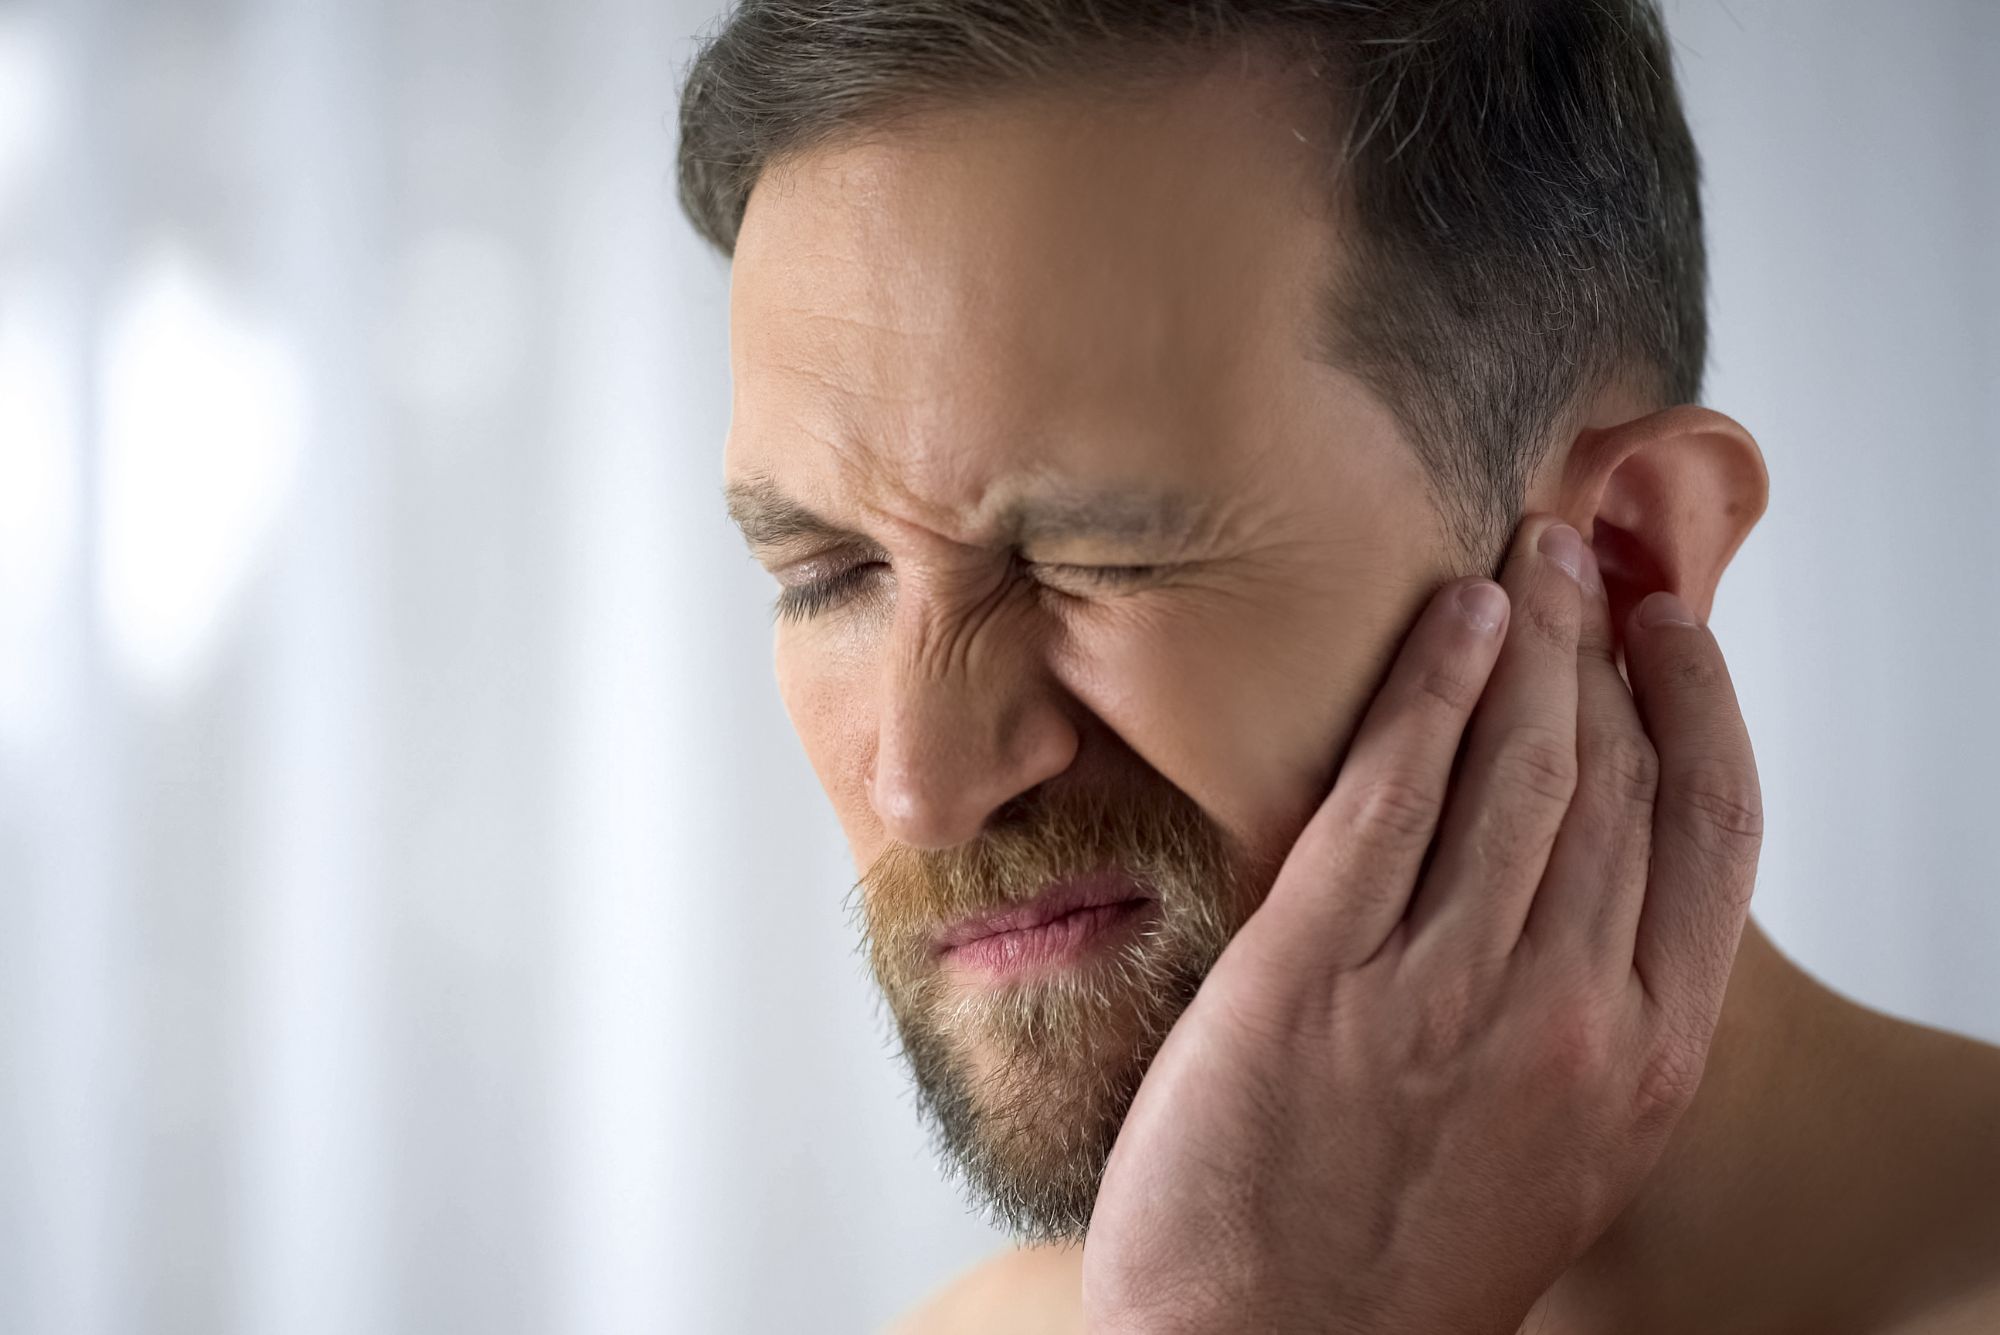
x: 937, y: 324
x: 1839, y: 1163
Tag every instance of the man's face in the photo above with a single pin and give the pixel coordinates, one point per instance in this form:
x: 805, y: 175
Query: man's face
x: 1103, y: 568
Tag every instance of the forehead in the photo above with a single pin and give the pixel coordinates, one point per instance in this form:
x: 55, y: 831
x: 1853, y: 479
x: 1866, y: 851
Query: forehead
x: 1049, y: 282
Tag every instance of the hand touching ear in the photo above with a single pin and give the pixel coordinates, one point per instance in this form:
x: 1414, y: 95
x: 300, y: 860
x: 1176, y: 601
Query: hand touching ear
x: 1441, y: 1057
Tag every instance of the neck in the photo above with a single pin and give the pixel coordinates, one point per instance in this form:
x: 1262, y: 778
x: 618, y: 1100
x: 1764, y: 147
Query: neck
x: 1709, y: 1232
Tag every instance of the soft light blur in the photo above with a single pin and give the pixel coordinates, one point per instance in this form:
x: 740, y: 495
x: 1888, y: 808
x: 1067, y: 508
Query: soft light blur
x: 415, y: 911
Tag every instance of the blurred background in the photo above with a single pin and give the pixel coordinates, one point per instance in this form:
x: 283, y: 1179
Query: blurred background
x: 416, y: 914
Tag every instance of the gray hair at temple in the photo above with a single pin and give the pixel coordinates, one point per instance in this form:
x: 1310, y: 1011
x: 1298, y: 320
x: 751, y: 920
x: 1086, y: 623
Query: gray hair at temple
x: 1521, y: 191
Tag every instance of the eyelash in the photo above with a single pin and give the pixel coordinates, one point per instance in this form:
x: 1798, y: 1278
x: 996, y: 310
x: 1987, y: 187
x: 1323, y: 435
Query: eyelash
x: 802, y: 602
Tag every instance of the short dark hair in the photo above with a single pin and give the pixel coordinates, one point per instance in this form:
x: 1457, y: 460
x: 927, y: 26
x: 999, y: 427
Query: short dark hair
x: 1524, y: 191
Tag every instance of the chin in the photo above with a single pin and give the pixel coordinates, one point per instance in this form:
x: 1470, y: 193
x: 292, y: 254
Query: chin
x: 1024, y: 1090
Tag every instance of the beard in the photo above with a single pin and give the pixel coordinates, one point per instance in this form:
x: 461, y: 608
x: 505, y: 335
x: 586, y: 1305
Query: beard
x: 1025, y: 1082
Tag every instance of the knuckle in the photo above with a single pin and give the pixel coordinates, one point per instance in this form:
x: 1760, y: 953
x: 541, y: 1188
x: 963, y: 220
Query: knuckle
x: 1398, y: 805
x: 1447, y: 684
x: 1730, y: 804
x: 1538, y: 759
x: 1629, y: 767
x: 1668, y: 1080
x: 1578, y: 1046
x: 1695, y: 672
x: 1555, y: 619
x: 1442, y: 1021
x: 1594, y: 641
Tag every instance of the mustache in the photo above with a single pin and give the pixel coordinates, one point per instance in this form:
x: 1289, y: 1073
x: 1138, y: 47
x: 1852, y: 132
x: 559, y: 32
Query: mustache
x: 1152, y: 832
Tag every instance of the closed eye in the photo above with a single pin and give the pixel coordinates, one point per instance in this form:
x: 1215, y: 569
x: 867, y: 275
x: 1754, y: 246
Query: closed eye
x: 812, y: 598
x: 802, y: 602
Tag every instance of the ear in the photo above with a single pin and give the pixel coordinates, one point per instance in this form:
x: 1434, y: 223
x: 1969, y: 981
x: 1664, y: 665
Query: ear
x: 1664, y: 501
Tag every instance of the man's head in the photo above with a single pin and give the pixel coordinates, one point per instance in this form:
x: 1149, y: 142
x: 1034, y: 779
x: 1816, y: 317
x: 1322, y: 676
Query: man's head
x: 1113, y: 383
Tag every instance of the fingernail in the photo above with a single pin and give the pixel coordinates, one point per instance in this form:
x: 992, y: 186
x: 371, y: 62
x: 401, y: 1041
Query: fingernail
x: 1483, y: 604
x: 1663, y: 608
x: 1561, y: 544
x: 1593, y: 578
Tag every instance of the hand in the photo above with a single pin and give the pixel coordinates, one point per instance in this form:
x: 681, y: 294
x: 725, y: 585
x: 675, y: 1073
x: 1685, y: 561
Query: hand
x: 1423, y: 1079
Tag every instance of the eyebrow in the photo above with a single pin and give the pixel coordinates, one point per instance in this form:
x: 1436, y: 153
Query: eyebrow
x: 769, y: 518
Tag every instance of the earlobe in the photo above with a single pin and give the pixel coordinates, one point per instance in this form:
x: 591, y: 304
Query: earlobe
x: 1665, y: 501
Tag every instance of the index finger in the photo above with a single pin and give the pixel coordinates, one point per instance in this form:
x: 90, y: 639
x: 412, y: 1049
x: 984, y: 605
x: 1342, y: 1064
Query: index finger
x: 1349, y: 876
x: 1708, y: 817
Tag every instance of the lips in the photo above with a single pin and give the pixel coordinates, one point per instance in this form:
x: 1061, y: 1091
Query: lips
x: 1059, y: 900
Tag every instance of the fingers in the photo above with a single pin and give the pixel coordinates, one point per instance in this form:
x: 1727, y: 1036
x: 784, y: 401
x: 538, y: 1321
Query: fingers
x: 1520, y: 767
x: 1347, y: 880
x: 1708, y: 821
x: 1588, y: 905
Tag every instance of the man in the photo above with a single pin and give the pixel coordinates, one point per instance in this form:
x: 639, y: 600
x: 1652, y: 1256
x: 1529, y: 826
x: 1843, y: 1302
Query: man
x: 1290, y: 929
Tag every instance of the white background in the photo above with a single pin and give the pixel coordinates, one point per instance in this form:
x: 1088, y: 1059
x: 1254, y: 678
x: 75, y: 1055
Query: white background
x: 415, y: 911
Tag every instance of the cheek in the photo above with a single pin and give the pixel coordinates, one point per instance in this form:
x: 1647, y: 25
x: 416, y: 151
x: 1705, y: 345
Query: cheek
x: 828, y: 696
x: 1248, y: 709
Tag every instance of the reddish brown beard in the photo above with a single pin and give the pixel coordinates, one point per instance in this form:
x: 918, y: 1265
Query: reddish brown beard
x: 1025, y: 1084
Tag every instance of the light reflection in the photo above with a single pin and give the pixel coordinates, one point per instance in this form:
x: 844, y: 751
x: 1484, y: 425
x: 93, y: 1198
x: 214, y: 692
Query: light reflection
x: 202, y: 431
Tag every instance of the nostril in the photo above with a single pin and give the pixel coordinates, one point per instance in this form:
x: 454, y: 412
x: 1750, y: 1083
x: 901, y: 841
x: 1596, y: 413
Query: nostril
x: 1016, y: 810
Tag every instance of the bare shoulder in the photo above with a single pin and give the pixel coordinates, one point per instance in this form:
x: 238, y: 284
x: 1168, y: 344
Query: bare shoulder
x: 1950, y: 1133
x: 1015, y: 1292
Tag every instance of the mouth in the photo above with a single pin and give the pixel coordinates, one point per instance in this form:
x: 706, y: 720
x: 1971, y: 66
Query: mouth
x: 1066, y: 921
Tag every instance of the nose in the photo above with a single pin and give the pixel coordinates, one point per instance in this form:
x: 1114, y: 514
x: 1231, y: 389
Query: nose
x: 961, y: 730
